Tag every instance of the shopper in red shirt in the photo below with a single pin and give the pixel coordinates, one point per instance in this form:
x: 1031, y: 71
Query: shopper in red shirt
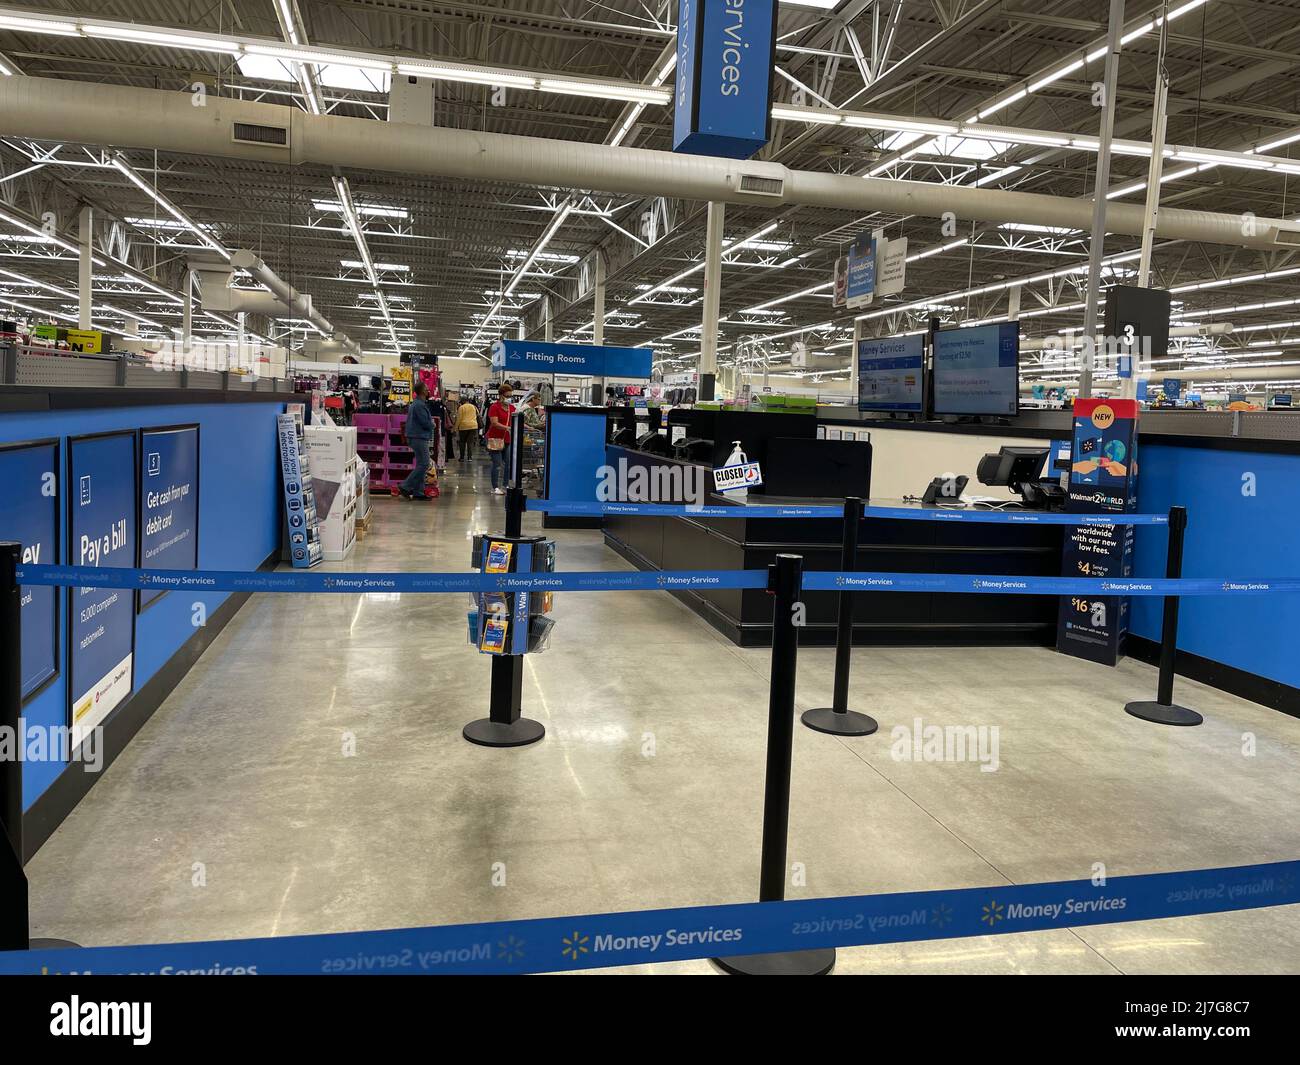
x: 498, y: 437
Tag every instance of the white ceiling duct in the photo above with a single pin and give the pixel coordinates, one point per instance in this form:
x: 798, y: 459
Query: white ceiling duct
x: 1227, y: 372
x: 1059, y: 343
x: 79, y: 112
x: 281, y: 301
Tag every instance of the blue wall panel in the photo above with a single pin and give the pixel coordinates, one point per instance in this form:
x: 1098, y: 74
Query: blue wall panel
x: 576, y: 454
x: 1229, y: 534
x: 239, y: 526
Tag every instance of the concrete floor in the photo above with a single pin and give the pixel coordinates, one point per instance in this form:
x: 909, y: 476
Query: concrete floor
x: 242, y: 770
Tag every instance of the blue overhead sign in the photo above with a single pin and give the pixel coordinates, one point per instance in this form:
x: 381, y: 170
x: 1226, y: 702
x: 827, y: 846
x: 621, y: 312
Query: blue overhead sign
x: 723, y: 89
x: 862, y: 271
x: 578, y: 360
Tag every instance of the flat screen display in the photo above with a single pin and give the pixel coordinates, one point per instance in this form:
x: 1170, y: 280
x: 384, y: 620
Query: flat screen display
x: 891, y: 374
x: 977, y: 370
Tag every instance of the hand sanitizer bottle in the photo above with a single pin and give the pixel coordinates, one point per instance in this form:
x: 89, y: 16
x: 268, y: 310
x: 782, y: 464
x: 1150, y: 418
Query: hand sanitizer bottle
x: 737, y: 458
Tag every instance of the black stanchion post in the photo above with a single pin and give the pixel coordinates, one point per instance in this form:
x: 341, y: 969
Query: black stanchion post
x: 514, y: 511
x: 1164, y: 711
x: 785, y: 580
x: 516, y: 451
x: 13, y: 914
x: 838, y: 719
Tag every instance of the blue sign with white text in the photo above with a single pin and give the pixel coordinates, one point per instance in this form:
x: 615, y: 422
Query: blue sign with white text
x: 976, y: 370
x: 862, y: 270
x: 579, y: 360
x: 169, y: 501
x: 29, y: 514
x: 891, y: 374
x: 723, y: 88
x: 102, y: 533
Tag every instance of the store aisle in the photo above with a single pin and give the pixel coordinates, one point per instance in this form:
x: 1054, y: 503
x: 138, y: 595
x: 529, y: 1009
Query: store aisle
x: 309, y: 775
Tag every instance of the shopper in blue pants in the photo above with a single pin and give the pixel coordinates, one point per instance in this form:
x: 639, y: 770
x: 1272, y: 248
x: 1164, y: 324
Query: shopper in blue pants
x: 498, y: 437
x: 419, y: 431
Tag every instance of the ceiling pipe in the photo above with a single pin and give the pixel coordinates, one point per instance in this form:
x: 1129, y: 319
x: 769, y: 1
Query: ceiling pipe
x: 79, y: 112
x: 1059, y: 343
x: 298, y: 305
x: 1226, y: 372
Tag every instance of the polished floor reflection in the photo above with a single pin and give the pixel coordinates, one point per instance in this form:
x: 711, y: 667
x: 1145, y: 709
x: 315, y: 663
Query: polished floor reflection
x: 309, y: 775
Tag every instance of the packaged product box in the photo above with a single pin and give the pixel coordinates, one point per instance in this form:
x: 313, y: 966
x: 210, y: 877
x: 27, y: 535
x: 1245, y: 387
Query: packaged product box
x: 495, y: 631
x: 498, y: 557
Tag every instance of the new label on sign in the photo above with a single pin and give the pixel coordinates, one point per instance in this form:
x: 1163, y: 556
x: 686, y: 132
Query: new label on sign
x: 742, y: 475
x: 29, y: 514
x: 101, y: 621
x: 726, y: 52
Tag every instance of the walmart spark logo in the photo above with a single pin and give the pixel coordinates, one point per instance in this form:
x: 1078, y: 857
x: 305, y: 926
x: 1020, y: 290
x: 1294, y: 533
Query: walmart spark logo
x: 575, y: 946
x: 993, y: 913
x: 510, y: 949
x: 941, y: 915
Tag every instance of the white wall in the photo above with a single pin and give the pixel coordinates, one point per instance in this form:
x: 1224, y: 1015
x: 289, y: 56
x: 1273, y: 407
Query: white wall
x: 904, y: 461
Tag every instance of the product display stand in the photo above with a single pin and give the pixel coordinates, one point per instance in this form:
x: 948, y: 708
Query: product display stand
x: 785, y: 579
x: 839, y: 720
x: 14, y: 916
x: 1164, y: 711
x: 505, y: 725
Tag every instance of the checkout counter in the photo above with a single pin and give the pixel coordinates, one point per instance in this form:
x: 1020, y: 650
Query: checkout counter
x: 801, y: 468
x: 885, y: 545
x: 1233, y: 472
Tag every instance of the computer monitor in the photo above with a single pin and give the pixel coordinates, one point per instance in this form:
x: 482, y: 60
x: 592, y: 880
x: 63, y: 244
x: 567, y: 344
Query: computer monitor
x: 1012, y: 466
x: 1021, y: 470
x: 976, y: 370
x: 797, y: 466
x: 891, y: 375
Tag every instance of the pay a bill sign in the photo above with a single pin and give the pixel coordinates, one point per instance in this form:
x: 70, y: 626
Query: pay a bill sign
x: 741, y: 475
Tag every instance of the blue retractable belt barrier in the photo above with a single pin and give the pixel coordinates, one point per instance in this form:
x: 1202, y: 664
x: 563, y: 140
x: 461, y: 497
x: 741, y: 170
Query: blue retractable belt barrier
x: 681, y: 510
x: 635, y: 581
x: 594, y: 940
x: 690, y: 510
x: 815, y: 580
x: 310, y: 581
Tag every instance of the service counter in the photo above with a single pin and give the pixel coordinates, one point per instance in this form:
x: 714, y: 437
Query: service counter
x: 885, y: 545
x: 1234, y: 473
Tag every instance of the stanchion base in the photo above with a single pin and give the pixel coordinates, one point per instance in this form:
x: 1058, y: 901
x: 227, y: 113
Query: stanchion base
x: 784, y: 963
x: 51, y: 944
x: 488, y: 733
x: 848, y: 723
x: 1162, y: 714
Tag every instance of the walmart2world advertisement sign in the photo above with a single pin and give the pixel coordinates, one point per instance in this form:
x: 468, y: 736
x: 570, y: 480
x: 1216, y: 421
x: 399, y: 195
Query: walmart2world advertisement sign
x: 578, y: 360
x: 101, y: 532
x: 726, y: 51
x: 29, y: 514
x: 169, y: 501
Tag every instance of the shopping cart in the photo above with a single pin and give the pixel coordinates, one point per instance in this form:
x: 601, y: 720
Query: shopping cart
x: 533, y: 458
